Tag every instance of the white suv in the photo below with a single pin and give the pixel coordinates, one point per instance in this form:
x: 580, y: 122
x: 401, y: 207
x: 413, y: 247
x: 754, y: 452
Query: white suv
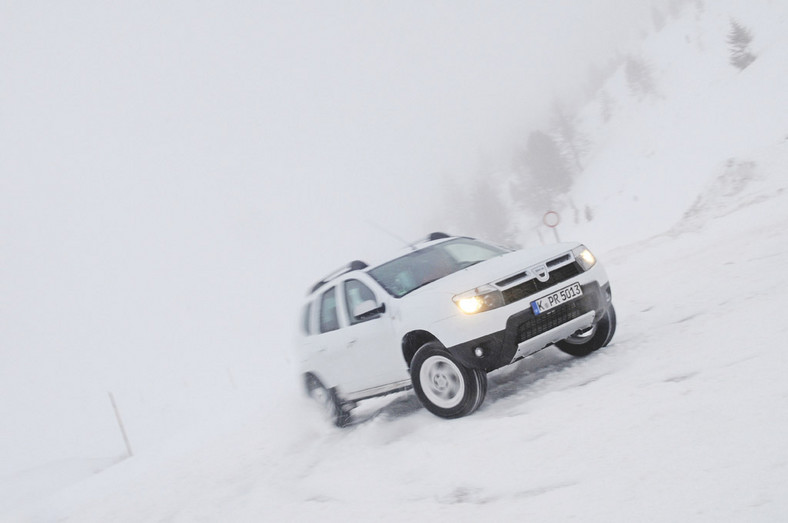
x: 442, y: 315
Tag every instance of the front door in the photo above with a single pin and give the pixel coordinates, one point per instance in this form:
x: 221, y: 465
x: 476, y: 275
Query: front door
x: 372, y: 350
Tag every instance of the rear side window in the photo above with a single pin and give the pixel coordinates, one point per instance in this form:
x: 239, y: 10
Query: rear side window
x: 305, y: 320
x: 328, y: 311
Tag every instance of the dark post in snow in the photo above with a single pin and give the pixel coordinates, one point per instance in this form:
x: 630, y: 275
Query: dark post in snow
x: 120, y: 424
x: 552, y: 219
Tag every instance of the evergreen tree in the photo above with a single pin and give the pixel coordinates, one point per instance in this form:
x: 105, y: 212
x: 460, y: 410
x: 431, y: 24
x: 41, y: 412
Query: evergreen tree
x: 543, y: 173
x: 638, y: 75
x: 739, y: 39
x: 657, y: 18
x: 491, y: 219
x: 569, y: 138
x: 606, y: 106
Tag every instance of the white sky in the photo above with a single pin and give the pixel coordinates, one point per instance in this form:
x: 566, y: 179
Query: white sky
x: 284, y: 106
x: 174, y: 175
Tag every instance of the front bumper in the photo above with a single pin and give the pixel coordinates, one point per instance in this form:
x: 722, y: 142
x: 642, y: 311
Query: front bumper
x: 527, y: 333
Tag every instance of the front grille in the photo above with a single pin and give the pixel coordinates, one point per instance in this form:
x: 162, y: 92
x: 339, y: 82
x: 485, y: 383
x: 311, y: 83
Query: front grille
x: 551, y: 319
x: 558, y: 261
x: 512, y: 279
x: 527, y: 288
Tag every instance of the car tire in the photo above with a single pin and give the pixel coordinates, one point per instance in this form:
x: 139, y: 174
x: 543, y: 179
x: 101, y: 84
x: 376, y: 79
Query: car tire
x: 611, y: 313
x: 443, y: 385
x: 592, y: 339
x: 328, y: 401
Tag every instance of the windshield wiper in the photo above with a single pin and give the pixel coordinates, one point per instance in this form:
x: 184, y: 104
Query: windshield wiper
x: 465, y: 265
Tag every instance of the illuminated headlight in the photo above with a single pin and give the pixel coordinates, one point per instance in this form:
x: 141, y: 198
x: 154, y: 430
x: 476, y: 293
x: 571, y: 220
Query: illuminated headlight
x: 584, y: 257
x: 480, y: 299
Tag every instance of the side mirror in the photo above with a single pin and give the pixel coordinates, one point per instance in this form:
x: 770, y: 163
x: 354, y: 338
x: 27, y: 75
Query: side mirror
x: 368, y: 309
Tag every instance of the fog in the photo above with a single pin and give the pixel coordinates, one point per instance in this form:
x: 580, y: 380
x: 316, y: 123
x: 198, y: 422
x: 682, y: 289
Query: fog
x: 173, y: 176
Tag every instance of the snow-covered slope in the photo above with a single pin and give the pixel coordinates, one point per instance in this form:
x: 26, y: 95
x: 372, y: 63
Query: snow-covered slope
x: 651, y: 153
x: 683, y: 417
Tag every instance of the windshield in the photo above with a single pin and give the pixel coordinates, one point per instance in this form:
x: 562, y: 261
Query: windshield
x: 419, y: 268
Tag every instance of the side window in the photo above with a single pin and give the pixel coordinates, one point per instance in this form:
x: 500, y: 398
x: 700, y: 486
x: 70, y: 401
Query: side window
x: 328, y: 311
x: 356, y: 293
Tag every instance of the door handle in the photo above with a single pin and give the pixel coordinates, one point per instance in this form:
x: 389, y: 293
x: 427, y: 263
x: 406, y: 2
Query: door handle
x: 351, y: 343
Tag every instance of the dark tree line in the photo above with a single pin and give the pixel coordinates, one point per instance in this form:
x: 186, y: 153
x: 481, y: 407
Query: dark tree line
x: 546, y: 164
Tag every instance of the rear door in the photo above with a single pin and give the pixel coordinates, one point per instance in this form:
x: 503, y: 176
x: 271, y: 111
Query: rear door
x: 327, y: 354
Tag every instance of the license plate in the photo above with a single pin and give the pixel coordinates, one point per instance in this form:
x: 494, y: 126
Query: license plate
x: 557, y: 298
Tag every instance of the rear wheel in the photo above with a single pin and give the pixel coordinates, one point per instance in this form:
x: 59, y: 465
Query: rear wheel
x: 328, y: 401
x: 594, y: 338
x: 443, y: 385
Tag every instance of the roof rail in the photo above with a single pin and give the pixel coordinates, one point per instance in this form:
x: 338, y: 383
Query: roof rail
x: 355, y: 265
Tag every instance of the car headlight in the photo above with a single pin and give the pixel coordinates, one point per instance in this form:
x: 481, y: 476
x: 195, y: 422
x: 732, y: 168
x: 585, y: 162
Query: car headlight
x: 584, y: 257
x: 479, y: 299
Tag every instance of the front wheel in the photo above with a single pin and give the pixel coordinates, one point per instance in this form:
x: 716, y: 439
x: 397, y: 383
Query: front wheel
x: 592, y: 339
x: 443, y: 385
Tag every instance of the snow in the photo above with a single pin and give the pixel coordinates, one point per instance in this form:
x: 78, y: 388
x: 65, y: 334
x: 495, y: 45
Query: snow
x: 684, y: 417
